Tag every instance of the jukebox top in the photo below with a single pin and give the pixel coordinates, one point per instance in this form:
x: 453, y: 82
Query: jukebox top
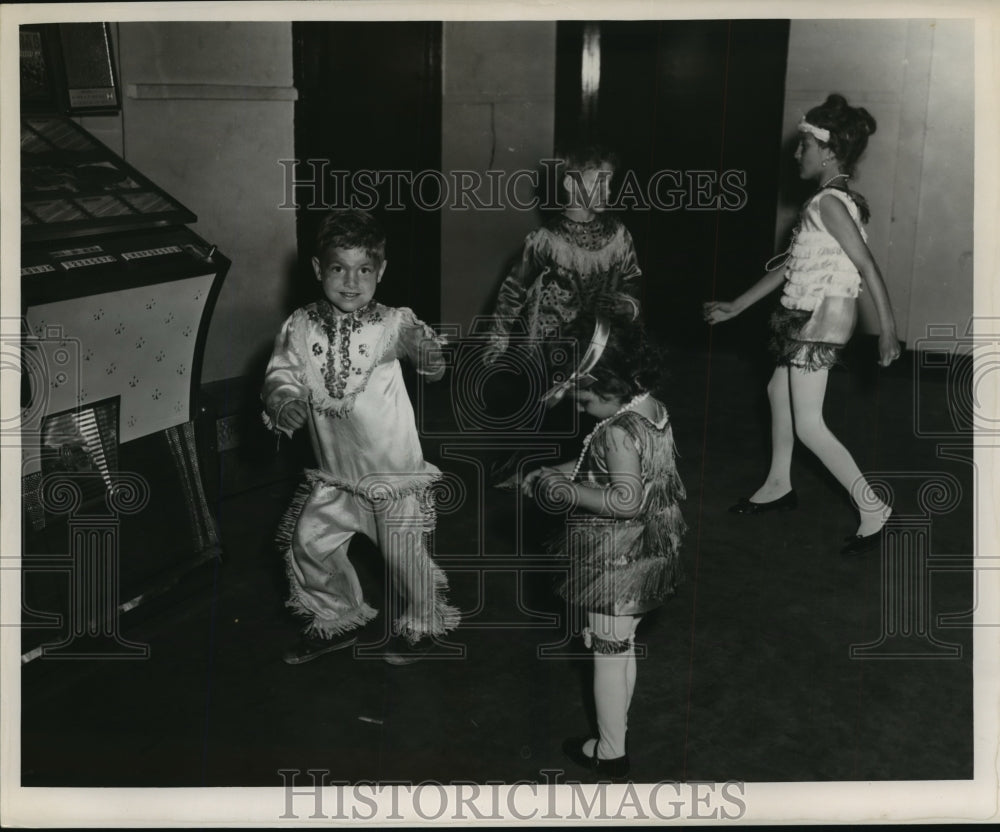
x: 73, y: 185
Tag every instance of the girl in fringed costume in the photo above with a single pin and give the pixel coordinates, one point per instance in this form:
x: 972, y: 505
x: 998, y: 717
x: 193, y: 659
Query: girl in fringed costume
x: 582, y: 261
x: 624, y: 531
x: 822, y: 274
x: 335, y: 367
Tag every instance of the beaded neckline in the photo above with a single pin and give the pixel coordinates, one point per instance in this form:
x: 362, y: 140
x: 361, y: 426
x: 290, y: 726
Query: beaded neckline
x: 629, y: 405
x: 339, y: 329
x: 592, y: 235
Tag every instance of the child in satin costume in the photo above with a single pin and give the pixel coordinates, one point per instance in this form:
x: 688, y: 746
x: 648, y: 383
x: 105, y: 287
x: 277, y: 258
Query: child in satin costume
x: 336, y: 369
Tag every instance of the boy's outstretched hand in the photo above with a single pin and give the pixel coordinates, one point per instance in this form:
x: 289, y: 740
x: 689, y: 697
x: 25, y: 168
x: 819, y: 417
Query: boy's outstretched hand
x: 293, y: 415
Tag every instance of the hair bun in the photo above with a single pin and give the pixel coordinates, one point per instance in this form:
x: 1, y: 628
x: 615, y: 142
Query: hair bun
x: 866, y: 120
x: 835, y: 101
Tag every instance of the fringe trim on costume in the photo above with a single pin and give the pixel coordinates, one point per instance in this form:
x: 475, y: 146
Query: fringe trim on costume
x: 286, y: 526
x: 379, y: 488
x: 326, y: 628
x: 585, y: 262
x: 666, y: 487
x: 809, y: 356
x: 788, y: 351
x: 297, y: 601
x: 643, y: 583
x: 445, y: 617
x: 604, y: 646
x: 612, y: 569
x: 628, y: 564
x: 321, y: 627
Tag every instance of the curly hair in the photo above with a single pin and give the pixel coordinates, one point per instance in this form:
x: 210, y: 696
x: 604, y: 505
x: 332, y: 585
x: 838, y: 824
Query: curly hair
x: 351, y: 228
x: 631, y: 363
x: 849, y: 129
x: 581, y: 157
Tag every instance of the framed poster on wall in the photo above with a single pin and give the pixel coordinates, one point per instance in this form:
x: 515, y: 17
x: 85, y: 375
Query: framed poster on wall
x: 68, y: 68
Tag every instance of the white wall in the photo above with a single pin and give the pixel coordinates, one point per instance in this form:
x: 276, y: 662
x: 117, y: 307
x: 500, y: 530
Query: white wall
x: 916, y: 78
x: 208, y: 112
x: 942, y: 259
x: 499, y: 100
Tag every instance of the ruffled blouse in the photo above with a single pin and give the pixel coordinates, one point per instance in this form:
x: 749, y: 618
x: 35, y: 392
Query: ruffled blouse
x: 817, y: 266
x: 346, y: 368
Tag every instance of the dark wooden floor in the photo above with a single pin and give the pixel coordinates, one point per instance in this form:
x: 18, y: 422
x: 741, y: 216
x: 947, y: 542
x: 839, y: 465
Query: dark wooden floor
x: 748, y: 672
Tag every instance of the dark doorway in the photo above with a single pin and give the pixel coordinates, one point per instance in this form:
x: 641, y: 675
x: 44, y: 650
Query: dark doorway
x: 695, y: 98
x: 370, y: 100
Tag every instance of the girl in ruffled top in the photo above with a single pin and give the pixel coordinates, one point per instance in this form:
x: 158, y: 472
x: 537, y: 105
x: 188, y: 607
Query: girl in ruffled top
x: 335, y: 368
x: 826, y: 267
x: 623, y: 533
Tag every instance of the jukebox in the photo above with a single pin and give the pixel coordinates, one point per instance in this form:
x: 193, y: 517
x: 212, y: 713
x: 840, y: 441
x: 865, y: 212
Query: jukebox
x: 116, y: 298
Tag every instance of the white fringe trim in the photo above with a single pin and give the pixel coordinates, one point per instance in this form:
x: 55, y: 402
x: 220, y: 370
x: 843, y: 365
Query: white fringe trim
x: 381, y: 487
x: 444, y: 617
x: 330, y: 628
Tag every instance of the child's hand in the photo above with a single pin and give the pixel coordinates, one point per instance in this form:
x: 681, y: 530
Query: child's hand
x: 718, y: 311
x: 530, y: 481
x: 616, y: 305
x: 496, y: 348
x: 552, y: 487
x: 293, y: 415
x: 888, y: 348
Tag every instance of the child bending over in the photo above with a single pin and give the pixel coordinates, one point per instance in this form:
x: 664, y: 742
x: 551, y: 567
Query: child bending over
x: 623, y: 535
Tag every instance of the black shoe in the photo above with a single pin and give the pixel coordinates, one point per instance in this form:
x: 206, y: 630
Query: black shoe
x: 401, y: 651
x: 312, y: 647
x: 785, y: 503
x: 860, y: 544
x: 615, y: 770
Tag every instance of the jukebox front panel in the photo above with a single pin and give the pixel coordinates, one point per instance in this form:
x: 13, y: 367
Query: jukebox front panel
x: 136, y: 343
x: 116, y: 298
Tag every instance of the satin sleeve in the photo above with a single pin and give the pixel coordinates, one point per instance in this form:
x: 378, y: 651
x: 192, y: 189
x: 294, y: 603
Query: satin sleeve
x: 514, y: 289
x: 420, y: 345
x: 630, y: 276
x: 284, y: 379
